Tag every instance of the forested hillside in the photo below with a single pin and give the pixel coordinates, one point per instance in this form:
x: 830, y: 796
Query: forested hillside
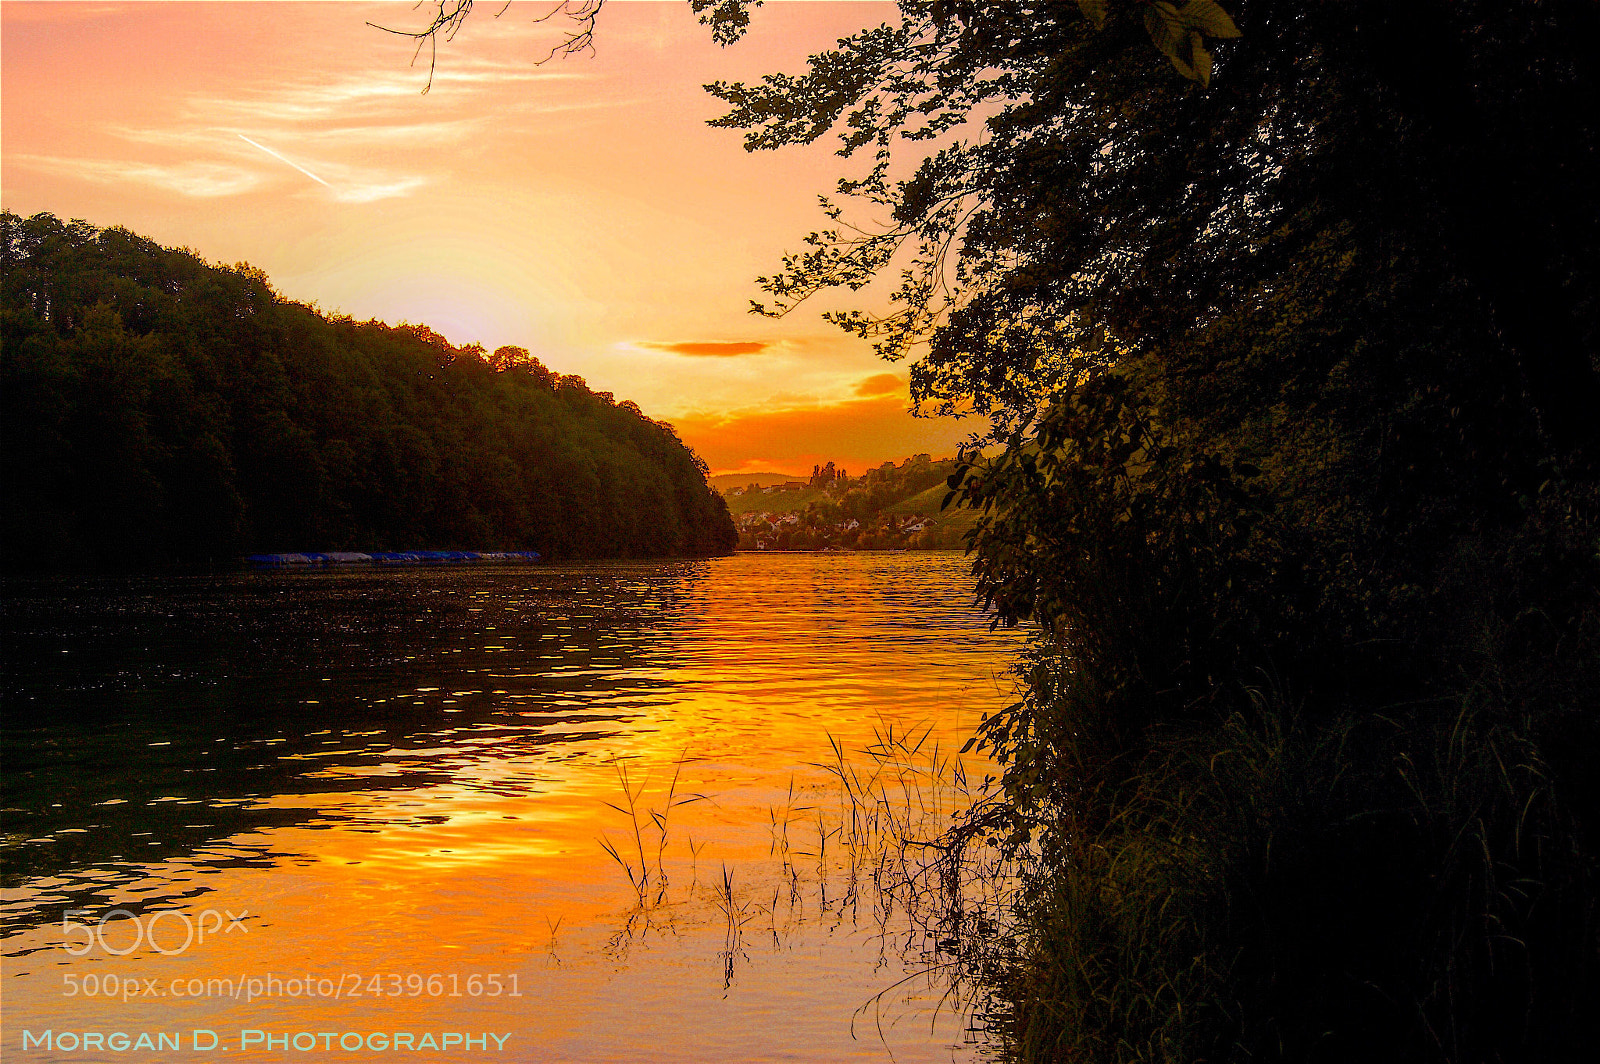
x: 158, y: 409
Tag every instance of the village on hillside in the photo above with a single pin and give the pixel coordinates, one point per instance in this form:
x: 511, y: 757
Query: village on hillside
x: 888, y: 508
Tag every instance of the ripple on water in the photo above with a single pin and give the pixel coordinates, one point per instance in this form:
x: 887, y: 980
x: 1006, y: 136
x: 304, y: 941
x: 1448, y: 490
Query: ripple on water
x: 414, y: 770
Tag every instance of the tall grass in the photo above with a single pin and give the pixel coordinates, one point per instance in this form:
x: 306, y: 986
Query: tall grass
x: 650, y: 883
x: 1290, y: 882
x: 881, y: 845
x: 1290, y: 885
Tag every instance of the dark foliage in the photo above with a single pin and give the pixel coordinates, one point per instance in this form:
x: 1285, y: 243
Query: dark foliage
x: 159, y: 409
x: 1296, y: 378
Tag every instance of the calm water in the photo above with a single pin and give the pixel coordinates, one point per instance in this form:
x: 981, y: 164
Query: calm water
x: 300, y: 809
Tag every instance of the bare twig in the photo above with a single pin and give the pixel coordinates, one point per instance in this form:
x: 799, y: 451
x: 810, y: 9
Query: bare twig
x: 450, y: 15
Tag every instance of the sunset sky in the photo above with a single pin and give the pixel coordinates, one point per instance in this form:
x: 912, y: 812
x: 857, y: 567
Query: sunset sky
x: 580, y: 208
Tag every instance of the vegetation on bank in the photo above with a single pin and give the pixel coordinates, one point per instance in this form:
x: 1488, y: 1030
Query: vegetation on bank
x: 1285, y: 317
x: 888, y: 508
x: 160, y: 409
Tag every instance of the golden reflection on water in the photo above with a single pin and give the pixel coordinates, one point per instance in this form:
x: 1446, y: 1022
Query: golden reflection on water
x: 474, y: 846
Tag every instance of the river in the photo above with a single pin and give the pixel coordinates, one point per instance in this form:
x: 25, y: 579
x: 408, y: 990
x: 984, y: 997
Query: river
x: 574, y: 812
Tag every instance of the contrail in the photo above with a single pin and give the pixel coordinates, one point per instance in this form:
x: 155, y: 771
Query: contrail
x: 281, y: 159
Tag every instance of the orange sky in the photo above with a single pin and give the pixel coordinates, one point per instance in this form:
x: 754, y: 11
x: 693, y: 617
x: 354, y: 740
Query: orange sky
x: 581, y: 208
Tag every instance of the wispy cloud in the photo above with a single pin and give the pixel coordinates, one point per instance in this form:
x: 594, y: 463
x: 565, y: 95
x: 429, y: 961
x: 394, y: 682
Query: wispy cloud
x: 282, y: 159
x: 371, y: 93
x: 346, y: 184
x: 311, y: 124
x: 370, y: 188
x: 879, y: 384
x: 356, y: 185
x: 200, y: 179
x: 60, y: 12
x: 707, y: 348
x: 361, y: 136
x: 215, y: 137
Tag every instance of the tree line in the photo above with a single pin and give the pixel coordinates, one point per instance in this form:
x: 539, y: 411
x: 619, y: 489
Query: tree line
x: 160, y: 409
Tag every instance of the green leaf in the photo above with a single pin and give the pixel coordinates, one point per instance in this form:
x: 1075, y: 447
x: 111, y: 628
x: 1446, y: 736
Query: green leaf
x: 1183, y: 46
x: 1094, y: 11
x: 1166, y: 32
x: 1201, y: 58
x: 1208, y: 17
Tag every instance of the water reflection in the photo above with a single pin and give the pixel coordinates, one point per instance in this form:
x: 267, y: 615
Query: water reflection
x: 144, y: 715
x: 415, y: 768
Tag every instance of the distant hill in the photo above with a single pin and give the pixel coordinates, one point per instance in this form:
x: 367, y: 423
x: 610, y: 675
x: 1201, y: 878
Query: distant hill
x: 156, y: 408
x: 723, y: 481
x: 891, y: 507
x: 924, y: 503
x: 773, y: 501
